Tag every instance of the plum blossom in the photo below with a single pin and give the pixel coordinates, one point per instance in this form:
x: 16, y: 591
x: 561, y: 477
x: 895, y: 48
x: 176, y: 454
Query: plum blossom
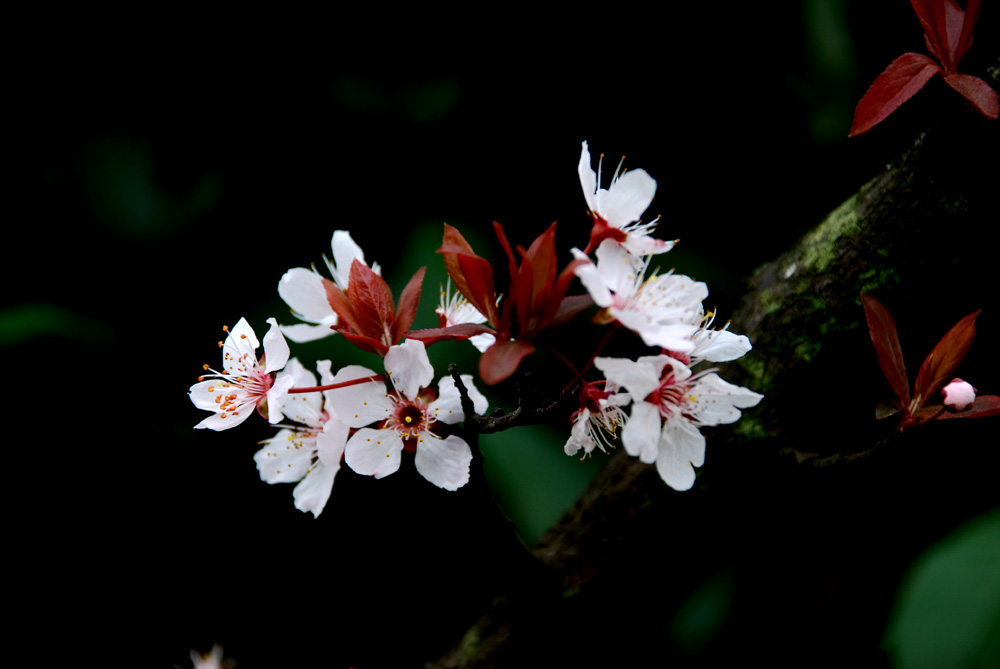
x: 210, y: 660
x: 308, y: 452
x: 596, y: 422
x: 958, y: 395
x: 455, y: 310
x: 616, y: 210
x: 664, y: 310
x: 302, y: 289
x: 663, y: 427
x: 245, y: 382
x: 407, y: 415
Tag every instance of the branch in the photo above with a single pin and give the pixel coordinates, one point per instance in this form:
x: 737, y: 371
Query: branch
x: 812, y: 359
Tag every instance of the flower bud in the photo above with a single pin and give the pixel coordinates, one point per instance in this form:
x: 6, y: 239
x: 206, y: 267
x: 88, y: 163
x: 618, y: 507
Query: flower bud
x: 958, y: 395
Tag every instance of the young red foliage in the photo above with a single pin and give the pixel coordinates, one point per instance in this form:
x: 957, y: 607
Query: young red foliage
x: 938, y: 367
x: 367, y: 314
x: 536, y: 298
x: 882, y: 329
x: 940, y: 364
x: 948, y: 35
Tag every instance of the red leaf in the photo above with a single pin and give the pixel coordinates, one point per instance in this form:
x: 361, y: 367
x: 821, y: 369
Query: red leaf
x: 968, y: 25
x: 459, y: 332
x: 408, y: 301
x: 940, y: 364
x: 942, y: 23
x: 985, y: 405
x: 340, y: 305
x: 511, y: 262
x: 976, y: 91
x: 372, y: 303
x: 898, y: 83
x: 479, y: 282
x: 882, y: 329
x: 502, y: 360
x: 366, y: 343
x: 544, y: 264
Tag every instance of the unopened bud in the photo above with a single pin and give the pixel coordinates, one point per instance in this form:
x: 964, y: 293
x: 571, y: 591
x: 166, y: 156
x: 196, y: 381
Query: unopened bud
x: 958, y: 395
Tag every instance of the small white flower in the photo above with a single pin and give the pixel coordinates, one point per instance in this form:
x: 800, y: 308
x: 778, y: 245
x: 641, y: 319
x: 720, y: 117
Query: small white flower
x: 302, y: 289
x: 596, y: 422
x: 664, y: 310
x: 455, y: 310
x: 958, y: 395
x: 663, y: 427
x: 619, y: 207
x: 245, y: 383
x: 310, y: 452
x: 407, y: 416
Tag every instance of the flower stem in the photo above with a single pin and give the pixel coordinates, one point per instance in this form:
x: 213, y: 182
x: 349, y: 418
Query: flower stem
x: 342, y: 384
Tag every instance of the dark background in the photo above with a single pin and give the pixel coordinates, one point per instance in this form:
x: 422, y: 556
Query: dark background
x: 162, y: 178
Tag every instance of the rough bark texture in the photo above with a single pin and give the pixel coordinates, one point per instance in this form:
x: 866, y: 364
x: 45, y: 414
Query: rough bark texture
x: 901, y: 237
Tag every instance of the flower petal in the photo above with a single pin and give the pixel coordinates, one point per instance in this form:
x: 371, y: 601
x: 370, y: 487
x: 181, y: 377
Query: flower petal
x: 303, y: 291
x: 715, y: 400
x: 588, y: 178
x: 360, y: 405
x: 641, y: 433
x: 447, y: 408
x: 444, y: 462
x: 409, y: 367
x: 375, y: 453
x: 627, y: 198
x: 285, y: 458
x: 314, y: 491
x: 275, y: 349
x: 682, y: 447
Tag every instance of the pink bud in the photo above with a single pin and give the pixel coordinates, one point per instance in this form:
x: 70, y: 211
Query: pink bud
x: 958, y: 395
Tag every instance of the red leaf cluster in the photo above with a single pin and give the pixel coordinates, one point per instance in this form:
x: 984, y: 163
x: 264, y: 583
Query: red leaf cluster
x: 948, y: 35
x: 937, y: 369
x: 536, y: 298
x: 368, y: 317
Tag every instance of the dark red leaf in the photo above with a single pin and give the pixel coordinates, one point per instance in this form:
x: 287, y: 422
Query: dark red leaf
x: 968, y: 25
x: 408, y: 301
x: 942, y: 23
x: 340, y: 305
x: 367, y: 343
x: 479, y: 282
x: 882, y: 329
x: 898, y: 83
x: 372, y: 303
x: 571, y: 306
x: 505, y: 245
x: 976, y: 91
x: 940, y: 364
x: 502, y: 360
x: 544, y: 264
x: 985, y: 405
x: 459, y: 332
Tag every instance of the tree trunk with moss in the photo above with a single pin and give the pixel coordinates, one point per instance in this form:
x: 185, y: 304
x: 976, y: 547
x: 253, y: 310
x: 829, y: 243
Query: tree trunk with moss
x: 915, y: 238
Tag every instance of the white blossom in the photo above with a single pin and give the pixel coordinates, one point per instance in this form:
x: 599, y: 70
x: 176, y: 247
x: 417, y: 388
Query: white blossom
x: 245, y: 382
x: 407, y: 416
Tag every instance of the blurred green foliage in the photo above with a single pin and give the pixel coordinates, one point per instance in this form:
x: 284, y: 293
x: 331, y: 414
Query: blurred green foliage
x: 947, y: 613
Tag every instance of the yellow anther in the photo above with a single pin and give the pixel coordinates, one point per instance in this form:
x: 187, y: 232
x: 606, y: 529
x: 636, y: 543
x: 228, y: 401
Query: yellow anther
x: 220, y: 344
x: 243, y: 336
x: 408, y: 419
x: 205, y: 367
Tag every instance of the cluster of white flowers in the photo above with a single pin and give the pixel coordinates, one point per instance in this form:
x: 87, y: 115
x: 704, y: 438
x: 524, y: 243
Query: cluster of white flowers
x: 669, y: 400
x: 367, y: 419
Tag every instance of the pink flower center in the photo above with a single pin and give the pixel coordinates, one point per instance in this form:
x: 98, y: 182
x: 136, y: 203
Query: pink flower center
x: 670, y: 396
